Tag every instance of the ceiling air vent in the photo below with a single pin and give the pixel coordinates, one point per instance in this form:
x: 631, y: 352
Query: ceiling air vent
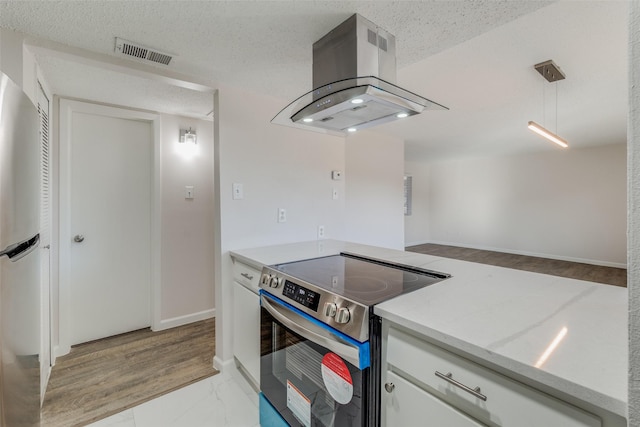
x: 131, y: 49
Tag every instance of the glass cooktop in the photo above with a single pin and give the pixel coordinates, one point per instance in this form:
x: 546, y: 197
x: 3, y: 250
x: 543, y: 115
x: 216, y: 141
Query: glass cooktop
x: 364, y: 280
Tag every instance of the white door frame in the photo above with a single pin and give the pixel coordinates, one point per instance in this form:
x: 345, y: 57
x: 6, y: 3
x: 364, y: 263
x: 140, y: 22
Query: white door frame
x: 67, y: 108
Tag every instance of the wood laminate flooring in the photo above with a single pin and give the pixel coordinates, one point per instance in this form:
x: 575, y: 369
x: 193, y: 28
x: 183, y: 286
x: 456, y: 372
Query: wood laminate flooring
x: 103, y: 377
x: 573, y: 270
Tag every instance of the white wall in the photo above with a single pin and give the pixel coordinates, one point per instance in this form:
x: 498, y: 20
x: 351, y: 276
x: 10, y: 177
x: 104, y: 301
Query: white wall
x: 374, y: 190
x: 634, y: 215
x: 567, y: 204
x: 279, y: 167
x: 20, y: 64
x: 187, y: 291
x: 416, y: 225
x: 11, y: 55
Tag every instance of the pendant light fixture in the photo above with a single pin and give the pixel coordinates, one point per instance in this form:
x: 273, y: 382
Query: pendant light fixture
x: 547, y: 134
x: 552, y: 73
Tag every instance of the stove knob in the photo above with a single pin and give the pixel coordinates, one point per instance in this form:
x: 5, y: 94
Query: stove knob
x: 264, y: 280
x: 343, y: 315
x: 275, y: 281
x: 330, y: 309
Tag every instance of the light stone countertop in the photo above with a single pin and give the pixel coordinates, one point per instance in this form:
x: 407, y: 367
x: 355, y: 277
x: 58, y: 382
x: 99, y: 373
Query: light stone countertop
x: 505, y: 317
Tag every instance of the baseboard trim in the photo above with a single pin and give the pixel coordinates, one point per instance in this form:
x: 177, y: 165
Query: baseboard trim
x: 525, y: 253
x: 59, y: 351
x: 184, y: 320
x: 421, y: 242
x: 223, y: 365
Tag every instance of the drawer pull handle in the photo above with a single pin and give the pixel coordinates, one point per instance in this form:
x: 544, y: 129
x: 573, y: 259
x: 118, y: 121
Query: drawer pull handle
x: 449, y: 378
x: 247, y: 275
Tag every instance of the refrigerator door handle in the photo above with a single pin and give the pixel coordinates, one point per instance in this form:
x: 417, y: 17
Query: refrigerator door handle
x: 19, y: 250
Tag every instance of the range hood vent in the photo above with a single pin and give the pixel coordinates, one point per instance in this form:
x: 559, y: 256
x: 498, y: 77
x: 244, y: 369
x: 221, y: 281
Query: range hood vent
x: 135, y: 50
x: 354, y: 74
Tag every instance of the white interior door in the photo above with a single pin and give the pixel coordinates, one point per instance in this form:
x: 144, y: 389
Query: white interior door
x: 45, y: 240
x: 109, y: 225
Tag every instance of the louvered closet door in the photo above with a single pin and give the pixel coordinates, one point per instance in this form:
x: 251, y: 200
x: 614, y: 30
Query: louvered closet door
x: 45, y: 190
x: 45, y: 239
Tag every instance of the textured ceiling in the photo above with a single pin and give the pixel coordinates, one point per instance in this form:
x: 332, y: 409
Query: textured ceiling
x: 476, y: 57
x: 262, y: 45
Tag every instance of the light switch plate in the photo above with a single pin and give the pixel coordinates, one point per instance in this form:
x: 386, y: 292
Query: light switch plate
x: 188, y: 192
x: 238, y: 191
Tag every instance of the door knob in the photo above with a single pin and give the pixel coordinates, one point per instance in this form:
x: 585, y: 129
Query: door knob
x: 389, y: 387
x: 79, y: 238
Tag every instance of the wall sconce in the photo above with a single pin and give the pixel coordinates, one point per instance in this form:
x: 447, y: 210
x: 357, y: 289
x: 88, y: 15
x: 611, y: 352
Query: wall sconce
x: 188, y: 136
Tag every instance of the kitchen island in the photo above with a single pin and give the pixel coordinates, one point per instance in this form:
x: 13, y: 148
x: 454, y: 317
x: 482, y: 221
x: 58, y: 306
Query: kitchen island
x: 563, y: 337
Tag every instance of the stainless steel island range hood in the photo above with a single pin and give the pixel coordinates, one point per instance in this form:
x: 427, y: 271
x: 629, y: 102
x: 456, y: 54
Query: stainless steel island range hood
x: 354, y: 71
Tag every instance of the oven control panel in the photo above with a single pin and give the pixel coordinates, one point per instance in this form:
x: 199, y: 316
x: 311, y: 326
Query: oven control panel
x: 328, y: 307
x: 301, y: 295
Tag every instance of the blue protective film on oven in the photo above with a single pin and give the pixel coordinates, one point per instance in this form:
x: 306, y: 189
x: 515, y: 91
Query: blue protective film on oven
x: 269, y: 416
x: 364, y: 355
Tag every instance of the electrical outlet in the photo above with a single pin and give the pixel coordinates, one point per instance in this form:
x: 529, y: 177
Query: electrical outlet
x: 282, y: 215
x: 321, y: 232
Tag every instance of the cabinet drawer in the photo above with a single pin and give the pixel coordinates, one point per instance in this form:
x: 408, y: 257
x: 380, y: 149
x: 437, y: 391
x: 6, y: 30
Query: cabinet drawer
x: 248, y: 276
x: 407, y: 405
x: 508, y: 402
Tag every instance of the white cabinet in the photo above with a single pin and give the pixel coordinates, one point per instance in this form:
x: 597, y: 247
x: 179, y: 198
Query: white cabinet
x: 246, y: 321
x: 408, y: 405
x: 476, y: 395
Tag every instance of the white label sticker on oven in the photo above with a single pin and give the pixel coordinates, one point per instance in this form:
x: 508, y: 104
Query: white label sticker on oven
x: 337, y: 378
x: 299, y: 404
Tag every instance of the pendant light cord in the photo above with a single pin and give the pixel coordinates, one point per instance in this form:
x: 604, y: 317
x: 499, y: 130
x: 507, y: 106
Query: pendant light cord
x: 544, y: 107
x: 556, y: 84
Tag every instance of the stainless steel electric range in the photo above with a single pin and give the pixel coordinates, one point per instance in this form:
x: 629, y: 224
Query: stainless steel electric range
x: 320, y: 340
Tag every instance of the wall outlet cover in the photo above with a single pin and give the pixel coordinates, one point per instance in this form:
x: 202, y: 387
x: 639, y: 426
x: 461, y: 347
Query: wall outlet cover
x: 282, y: 215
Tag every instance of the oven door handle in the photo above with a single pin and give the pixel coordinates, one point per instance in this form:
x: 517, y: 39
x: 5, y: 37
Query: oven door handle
x: 312, y: 332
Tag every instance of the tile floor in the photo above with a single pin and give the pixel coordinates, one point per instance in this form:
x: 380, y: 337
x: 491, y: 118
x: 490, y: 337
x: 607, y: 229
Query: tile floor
x: 223, y: 400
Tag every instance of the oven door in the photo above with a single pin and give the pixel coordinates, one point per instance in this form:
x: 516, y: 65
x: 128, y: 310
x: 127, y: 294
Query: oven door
x: 310, y: 374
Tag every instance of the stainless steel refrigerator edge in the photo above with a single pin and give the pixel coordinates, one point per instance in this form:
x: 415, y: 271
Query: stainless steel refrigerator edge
x: 19, y: 258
